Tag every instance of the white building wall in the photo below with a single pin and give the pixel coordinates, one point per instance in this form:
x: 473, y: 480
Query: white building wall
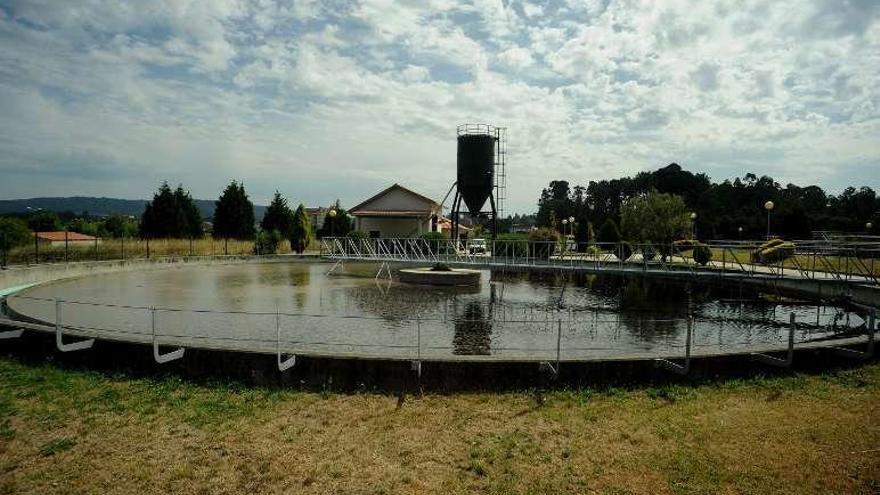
x: 394, y: 227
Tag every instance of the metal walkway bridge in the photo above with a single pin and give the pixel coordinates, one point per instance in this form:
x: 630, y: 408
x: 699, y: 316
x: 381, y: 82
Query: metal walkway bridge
x: 851, y: 264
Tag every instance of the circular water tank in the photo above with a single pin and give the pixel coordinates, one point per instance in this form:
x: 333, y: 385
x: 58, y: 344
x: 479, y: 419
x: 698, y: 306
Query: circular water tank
x: 476, y: 169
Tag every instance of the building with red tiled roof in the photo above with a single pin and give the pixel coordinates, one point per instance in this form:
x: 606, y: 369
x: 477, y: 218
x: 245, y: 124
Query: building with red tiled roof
x: 397, y: 212
x: 60, y: 238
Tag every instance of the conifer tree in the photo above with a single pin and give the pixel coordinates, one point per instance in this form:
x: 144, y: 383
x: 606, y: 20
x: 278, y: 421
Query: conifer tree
x: 234, y: 214
x: 301, y: 233
x: 278, y: 217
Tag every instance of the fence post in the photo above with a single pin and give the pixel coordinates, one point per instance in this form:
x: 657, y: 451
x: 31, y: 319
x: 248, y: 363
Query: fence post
x: 558, y: 343
x: 680, y: 369
x: 284, y: 364
x: 36, y: 247
x: 190, y: 245
x: 66, y: 237
x: 158, y: 356
x: 59, y: 334
x: 417, y: 364
x: 96, y: 247
x: 123, y: 246
x: 148, y: 248
x: 789, y: 357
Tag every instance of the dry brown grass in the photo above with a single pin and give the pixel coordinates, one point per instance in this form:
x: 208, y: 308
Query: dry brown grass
x: 113, y: 249
x: 76, y: 432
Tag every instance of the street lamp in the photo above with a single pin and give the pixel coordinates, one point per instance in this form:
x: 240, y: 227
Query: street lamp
x: 869, y: 226
x: 693, y: 225
x: 564, y: 225
x: 740, y: 231
x: 769, y: 207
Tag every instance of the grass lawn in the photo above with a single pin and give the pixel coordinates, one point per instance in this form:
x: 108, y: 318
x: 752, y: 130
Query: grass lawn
x: 67, y: 431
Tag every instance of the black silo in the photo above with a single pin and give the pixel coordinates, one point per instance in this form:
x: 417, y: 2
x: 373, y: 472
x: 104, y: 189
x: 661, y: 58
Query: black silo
x: 476, y: 169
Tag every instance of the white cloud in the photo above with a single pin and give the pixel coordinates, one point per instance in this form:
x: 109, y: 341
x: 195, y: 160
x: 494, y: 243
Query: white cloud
x: 326, y: 101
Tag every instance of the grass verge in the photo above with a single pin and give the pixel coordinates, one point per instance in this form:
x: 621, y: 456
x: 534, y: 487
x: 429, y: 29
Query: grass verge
x: 64, y: 431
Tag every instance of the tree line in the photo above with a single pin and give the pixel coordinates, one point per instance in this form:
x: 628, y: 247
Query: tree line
x: 728, y: 209
x: 173, y: 214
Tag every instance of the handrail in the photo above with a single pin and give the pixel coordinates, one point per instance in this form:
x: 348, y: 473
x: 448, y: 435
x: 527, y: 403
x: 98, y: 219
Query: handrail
x: 827, y: 263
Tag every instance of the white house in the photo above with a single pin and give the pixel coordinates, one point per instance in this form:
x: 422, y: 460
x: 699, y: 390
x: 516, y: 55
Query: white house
x: 397, y: 212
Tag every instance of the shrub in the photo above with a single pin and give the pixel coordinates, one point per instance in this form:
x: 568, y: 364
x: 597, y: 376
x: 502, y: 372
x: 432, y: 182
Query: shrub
x: 774, y: 254
x: 13, y: 233
x: 511, y: 245
x: 771, y: 256
x: 609, y: 233
x: 685, y: 244
x: 702, y: 254
x: 267, y: 242
x: 543, y: 241
x: 435, y: 241
x: 358, y: 235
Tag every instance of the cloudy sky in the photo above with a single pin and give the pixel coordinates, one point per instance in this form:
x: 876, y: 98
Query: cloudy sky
x: 339, y: 99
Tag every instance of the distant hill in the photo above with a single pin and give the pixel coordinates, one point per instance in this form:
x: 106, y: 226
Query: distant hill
x: 101, y: 206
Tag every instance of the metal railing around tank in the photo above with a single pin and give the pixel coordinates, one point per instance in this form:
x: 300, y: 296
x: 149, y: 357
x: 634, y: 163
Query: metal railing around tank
x: 855, y: 262
x: 550, y: 341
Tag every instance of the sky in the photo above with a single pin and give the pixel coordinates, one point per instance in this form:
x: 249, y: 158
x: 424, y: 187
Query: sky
x: 339, y: 99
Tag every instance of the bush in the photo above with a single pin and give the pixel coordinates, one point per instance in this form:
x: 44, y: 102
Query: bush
x: 685, y: 245
x: 543, y: 241
x: 511, y: 245
x: 623, y: 251
x: 702, y: 254
x: 13, y: 233
x: 759, y: 256
x: 267, y: 242
x: 358, y: 235
x: 774, y: 254
x: 609, y: 233
x: 435, y: 241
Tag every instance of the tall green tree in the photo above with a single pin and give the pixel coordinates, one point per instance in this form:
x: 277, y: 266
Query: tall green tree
x: 608, y: 232
x: 338, y: 225
x: 13, y: 232
x: 44, y: 221
x: 655, y: 217
x: 171, y: 214
x: 119, y: 226
x: 234, y: 214
x: 278, y: 217
x: 301, y: 234
x: 189, y: 217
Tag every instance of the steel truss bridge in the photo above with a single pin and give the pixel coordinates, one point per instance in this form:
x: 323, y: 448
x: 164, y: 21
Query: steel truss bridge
x: 850, y: 263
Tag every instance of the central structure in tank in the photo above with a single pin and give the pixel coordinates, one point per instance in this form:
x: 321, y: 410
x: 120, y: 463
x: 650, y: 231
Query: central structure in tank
x: 480, y: 173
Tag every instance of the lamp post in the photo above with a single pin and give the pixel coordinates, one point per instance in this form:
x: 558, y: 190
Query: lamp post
x: 868, y: 227
x: 564, y: 231
x: 570, y: 228
x: 769, y: 207
x: 740, y: 232
x: 694, y: 225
